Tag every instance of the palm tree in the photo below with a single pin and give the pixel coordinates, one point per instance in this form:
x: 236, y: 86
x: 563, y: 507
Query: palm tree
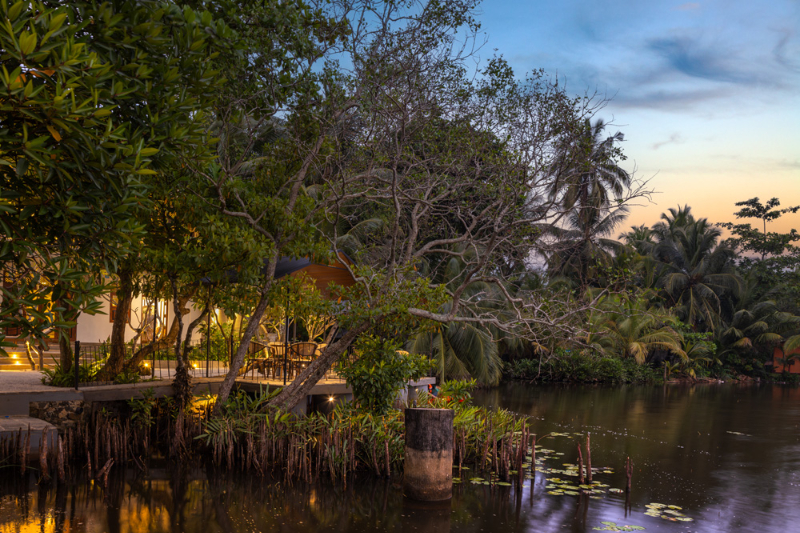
x: 697, y: 275
x: 462, y: 349
x: 587, y: 173
x: 641, y: 238
x: 584, y: 243
x: 756, y: 324
x: 677, y: 218
x: 633, y: 329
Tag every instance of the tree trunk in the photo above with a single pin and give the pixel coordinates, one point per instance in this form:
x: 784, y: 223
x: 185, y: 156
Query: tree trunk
x: 30, y: 357
x: 65, y: 351
x: 241, y: 351
x: 124, y: 296
x: 160, y: 344
x: 183, y: 381
x: 298, y: 389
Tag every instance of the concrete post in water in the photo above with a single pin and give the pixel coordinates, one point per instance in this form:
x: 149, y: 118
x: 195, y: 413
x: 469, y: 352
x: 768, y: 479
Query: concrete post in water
x: 429, y: 454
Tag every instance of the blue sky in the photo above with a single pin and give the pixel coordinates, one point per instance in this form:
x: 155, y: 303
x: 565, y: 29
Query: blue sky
x: 707, y: 93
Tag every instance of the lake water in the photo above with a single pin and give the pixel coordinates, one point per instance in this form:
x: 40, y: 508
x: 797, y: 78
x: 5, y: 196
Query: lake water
x: 727, y: 455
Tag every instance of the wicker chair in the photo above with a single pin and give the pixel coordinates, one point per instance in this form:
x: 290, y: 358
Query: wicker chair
x: 302, y: 354
x: 276, y: 351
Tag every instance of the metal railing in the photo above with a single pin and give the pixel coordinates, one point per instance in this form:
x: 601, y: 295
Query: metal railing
x: 202, y: 359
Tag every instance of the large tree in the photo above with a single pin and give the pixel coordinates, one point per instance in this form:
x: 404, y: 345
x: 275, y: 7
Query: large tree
x: 379, y: 112
x: 96, y: 99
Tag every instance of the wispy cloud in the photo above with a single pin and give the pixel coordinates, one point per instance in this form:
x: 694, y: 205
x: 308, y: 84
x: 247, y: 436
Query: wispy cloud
x: 787, y: 59
x: 688, y: 6
x: 675, y: 138
x: 667, y: 99
x: 689, y: 56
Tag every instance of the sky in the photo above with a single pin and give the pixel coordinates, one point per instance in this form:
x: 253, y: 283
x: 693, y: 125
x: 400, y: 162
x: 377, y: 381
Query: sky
x: 707, y: 93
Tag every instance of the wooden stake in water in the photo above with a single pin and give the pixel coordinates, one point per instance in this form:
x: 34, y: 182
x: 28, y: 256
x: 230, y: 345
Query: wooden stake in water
x: 588, y: 457
x: 580, y: 465
x: 628, y: 473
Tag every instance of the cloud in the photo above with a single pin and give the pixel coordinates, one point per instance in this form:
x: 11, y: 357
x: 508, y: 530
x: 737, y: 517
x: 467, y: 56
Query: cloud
x: 668, y: 99
x: 689, y: 6
x: 688, y: 56
x: 779, y: 53
x: 790, y: 164
x: 675, y: 138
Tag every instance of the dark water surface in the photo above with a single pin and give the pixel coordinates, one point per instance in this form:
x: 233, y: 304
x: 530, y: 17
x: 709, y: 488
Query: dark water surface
x: 728, y: 456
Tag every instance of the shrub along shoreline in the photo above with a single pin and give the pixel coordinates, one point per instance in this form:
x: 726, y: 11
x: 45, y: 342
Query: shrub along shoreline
x: 250, y: 436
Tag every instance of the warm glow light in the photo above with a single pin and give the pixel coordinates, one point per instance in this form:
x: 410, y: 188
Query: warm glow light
x: 195, y: 365
x: 331, y: 399
x: 17, y: 363
x: 13, y: 356
x: 146, y: 365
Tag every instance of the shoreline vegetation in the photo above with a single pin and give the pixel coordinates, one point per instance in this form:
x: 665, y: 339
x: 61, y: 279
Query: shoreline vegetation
x: 251, y: 436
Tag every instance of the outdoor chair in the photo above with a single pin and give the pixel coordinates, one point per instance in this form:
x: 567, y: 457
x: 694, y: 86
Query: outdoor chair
x: 258, y: 360
x: 276, y: 352
x: 302, y: 355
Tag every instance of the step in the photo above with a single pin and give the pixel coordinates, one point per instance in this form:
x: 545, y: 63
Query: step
x: 11, y: 426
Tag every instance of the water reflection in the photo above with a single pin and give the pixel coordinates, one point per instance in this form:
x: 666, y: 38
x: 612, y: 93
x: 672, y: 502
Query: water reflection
x: 729, y: 456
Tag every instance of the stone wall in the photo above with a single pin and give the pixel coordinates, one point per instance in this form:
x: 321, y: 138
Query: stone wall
x: 61, y: 414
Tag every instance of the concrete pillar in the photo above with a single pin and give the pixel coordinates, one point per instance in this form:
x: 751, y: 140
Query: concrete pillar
x: 429, y: 454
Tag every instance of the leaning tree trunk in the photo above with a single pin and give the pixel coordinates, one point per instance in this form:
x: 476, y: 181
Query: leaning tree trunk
x: 298, y: 389
x: 161, y: 344
x: 241, y: 351
x: 124, y: 295
x: 30, y: 357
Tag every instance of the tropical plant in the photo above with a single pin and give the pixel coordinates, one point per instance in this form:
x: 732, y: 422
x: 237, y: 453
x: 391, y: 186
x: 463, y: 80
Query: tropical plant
x: 673, y: 220
x: 756, y: 327
x: 589, y: 175
x: 698, y: 276
x: 379, y: 371
x: 583, y: 245
x: 628, y: 327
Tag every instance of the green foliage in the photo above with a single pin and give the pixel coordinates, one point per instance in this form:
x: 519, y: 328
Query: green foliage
x: 220, y: 346
x: 142, y: 409
x: 379, y: 371
x: 87, y: 373
x: 579, y: 367
x: 96, y: 100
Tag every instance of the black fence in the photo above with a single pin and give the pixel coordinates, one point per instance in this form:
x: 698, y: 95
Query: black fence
x: 203, y: 360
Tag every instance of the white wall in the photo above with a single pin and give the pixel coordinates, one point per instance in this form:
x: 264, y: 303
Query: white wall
x: 97, y: 328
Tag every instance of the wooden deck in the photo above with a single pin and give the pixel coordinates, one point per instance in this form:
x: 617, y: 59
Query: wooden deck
x: 17, y: 400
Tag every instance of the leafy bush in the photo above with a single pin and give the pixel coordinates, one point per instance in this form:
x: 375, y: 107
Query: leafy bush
x: 58, y: 378
x: 379, y: 371
x: 219, y: 349
x: 581, y: 368
x: 87, y: 373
